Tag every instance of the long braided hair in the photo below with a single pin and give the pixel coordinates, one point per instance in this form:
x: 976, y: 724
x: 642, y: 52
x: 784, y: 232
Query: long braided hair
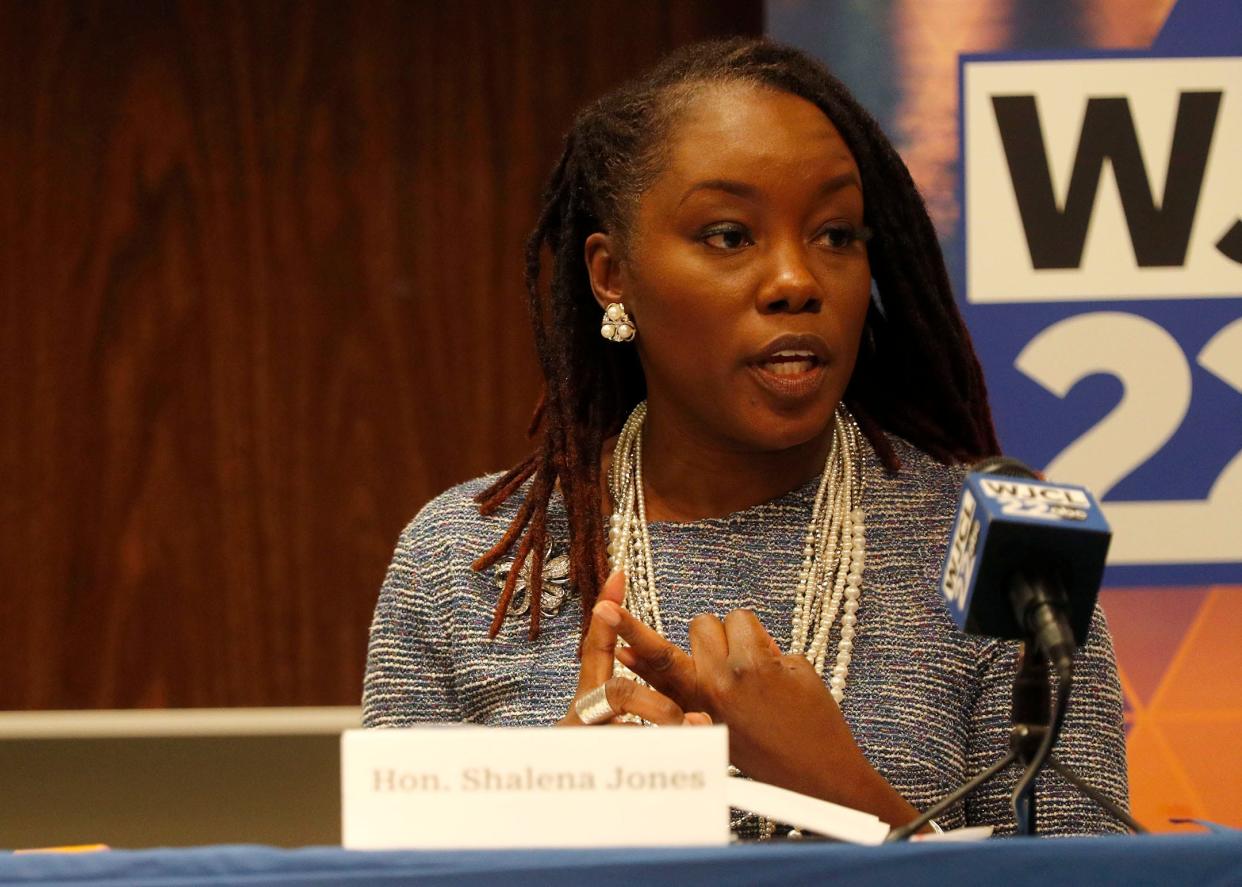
x: 917, y: 375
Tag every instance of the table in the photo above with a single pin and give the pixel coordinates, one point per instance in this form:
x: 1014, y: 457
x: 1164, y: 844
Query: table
x: 1203, y: 860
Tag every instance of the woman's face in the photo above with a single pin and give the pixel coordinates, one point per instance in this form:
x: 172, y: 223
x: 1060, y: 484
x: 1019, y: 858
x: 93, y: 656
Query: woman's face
x: 744, y: 271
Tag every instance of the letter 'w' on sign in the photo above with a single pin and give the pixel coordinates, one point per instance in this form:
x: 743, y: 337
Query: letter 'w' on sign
x: 1160, y: 232
x: 1102, y: 178
x: 1102, y: 252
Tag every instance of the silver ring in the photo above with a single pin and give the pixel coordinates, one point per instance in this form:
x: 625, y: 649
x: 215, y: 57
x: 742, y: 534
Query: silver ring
x: 593, y: 707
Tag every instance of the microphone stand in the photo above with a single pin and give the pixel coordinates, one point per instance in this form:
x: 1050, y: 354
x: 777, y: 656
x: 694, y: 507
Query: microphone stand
x: 1030, y: 715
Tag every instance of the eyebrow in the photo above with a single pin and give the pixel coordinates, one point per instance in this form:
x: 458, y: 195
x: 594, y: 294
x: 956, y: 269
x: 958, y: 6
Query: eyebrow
x: 750, y: 192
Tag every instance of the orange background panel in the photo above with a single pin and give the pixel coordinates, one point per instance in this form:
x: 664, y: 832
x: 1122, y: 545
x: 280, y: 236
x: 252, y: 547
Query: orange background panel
x: 1160, y: 789
x: 1207, y: 751
x: 1206, y: 675
x: 1180, y: 660
x: 1148, y: 625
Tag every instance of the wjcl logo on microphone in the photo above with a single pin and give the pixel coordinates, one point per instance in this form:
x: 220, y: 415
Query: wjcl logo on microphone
x: 963, y: 553
x: 1039, y: 501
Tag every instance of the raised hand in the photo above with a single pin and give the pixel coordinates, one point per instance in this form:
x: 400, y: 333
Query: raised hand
x: 623, y: 695
x: 784, y: 726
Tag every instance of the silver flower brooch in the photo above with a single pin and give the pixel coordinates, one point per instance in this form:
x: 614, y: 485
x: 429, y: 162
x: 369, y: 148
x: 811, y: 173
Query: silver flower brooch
x: 554, y: 584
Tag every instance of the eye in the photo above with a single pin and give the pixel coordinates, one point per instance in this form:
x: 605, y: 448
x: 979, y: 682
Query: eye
x: 729, y: 236
x: 840, y: 235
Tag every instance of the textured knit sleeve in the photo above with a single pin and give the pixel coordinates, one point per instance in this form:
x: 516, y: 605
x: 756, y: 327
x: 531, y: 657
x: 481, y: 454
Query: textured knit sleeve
x: 409, y: 674
x: 1092, y: 742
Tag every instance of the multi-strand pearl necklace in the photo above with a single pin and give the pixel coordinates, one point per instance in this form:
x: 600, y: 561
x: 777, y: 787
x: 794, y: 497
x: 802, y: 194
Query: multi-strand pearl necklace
x: 830, y: 579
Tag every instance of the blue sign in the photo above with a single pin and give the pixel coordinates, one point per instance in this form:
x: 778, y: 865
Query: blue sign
x: 1101, y: 239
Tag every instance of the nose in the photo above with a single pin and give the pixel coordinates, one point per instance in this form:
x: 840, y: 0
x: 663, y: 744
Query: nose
x: 789, y: 286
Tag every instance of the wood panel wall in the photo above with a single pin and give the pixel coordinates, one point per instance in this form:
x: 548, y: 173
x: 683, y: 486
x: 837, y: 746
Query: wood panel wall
x: 259, y: 300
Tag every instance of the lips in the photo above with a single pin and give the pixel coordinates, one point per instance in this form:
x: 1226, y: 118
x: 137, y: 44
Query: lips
x: 791, y: 367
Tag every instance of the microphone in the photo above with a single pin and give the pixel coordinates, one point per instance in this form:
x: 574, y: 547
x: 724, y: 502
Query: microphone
x: 1025, y: 559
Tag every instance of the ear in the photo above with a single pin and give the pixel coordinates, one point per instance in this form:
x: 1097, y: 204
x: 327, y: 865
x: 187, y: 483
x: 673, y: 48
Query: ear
x: 604, y: 267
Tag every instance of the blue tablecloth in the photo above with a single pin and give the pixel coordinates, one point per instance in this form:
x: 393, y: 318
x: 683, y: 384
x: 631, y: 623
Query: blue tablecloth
x: 1199, y: 860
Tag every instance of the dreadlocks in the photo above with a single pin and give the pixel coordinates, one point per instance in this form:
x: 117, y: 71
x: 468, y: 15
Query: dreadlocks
x: 917, y: 375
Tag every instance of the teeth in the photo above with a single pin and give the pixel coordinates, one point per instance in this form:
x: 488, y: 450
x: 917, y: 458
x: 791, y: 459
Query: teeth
x: 789, y: 367
x: 808, y: 355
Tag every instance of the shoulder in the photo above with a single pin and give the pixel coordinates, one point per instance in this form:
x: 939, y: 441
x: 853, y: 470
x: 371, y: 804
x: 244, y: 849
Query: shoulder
x: 923, y: 486
x: 909, y: 514
x: 457, y: 507
x: 917, y: 464
x: 431, y: 567
x: 449, y: 525
x: 450, y: 530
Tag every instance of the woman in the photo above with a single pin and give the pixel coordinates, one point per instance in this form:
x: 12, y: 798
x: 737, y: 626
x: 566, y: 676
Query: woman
x: 759, y: 396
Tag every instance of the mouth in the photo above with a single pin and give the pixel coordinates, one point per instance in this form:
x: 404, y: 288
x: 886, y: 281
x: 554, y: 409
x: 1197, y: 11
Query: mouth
x: 789, y: 362
x: 791, y: 368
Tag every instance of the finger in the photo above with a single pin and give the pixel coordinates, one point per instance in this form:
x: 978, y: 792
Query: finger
x: 708, y: 645
x: 629, y: 698
x: 628, y: 658
x: 600, y: 643
x: 697, y: 719
x: 749, y: 642
x: 655, y: 659
x: 614, y: 588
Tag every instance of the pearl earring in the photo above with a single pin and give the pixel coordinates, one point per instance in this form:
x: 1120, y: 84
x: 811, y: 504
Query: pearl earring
x: 616, y: 325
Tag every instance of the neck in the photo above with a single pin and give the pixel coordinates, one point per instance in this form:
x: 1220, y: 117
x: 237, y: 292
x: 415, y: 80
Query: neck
x: 690, y: 475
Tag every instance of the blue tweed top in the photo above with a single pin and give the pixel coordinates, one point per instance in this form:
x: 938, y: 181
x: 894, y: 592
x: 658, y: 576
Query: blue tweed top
x: 928, y: 705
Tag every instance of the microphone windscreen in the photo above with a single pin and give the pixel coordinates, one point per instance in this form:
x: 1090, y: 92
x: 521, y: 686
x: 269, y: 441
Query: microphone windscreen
x: 1008, y: 525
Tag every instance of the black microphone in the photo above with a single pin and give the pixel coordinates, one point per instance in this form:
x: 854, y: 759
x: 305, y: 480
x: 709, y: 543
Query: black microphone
x: 1025, y: 558
x: 1025, y: 562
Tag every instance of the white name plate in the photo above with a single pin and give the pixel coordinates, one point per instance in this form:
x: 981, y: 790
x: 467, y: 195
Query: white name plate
x: 482, y: 787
